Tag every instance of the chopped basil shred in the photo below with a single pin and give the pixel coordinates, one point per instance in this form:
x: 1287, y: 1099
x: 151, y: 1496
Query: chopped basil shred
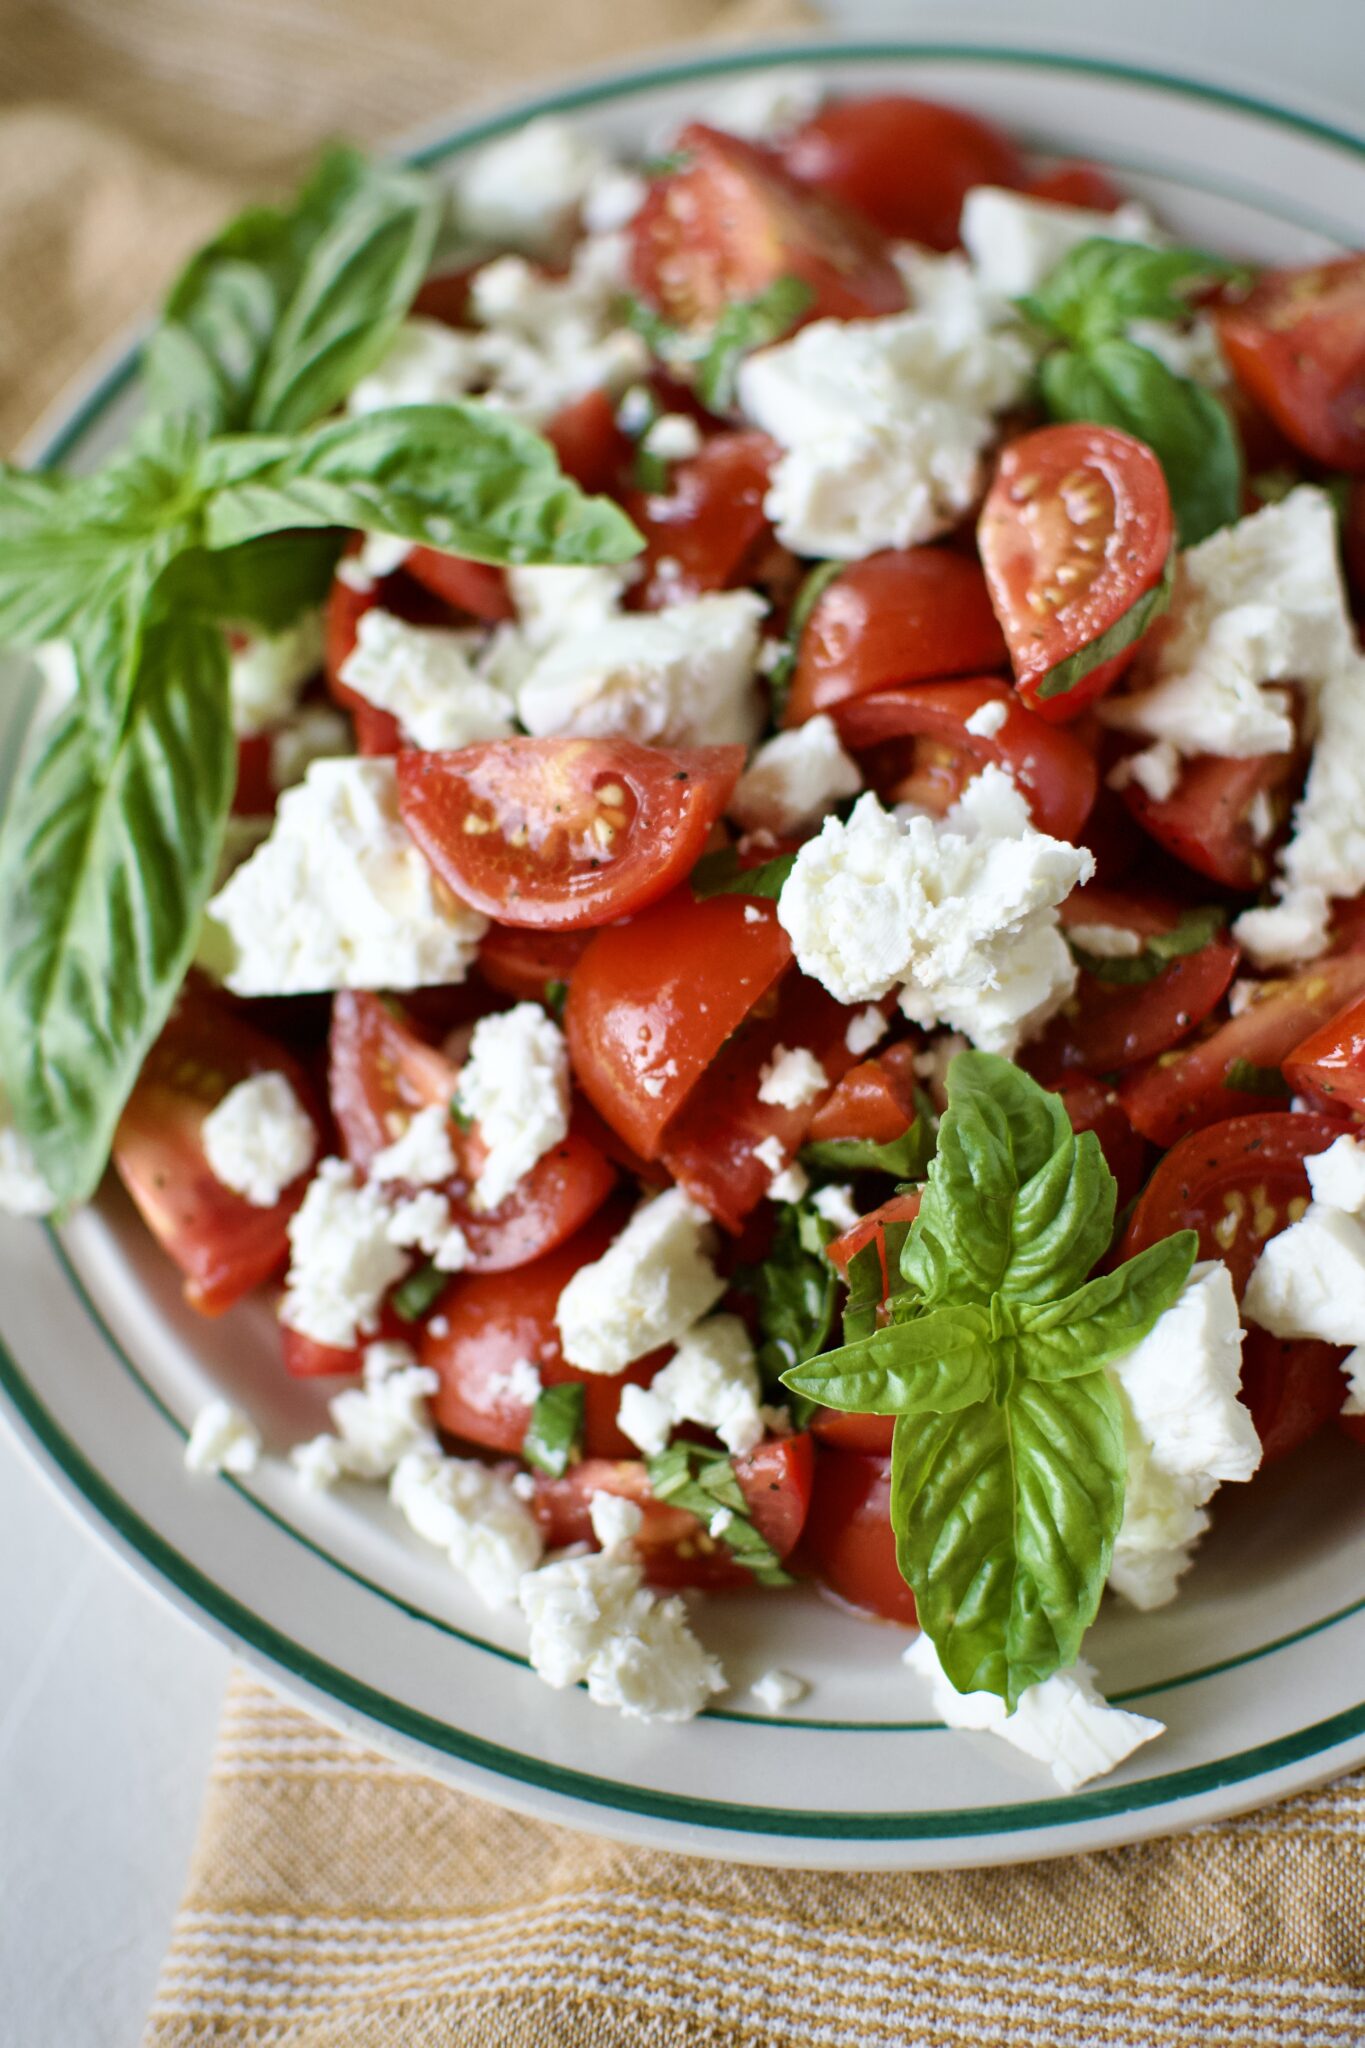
x: 703, y: 1481
x: 1194, y: 930
x: 723, y: 874
x: 1125, y: 631
x: 712, y: 357
x: 1253, y: 1080
x: 554, y: 1435
x: 420, y: 1291
x: 556, y: 995
x: 794, y: 1291
x: 812, y: 588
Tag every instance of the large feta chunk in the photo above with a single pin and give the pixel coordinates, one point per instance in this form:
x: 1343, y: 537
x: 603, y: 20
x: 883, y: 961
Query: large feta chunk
x: 1337, y: 1176
x: 259, y: 1139
x: 1310, y: 1279
x: 524, y: 190
x: 425, y: 677
x: 791, y: 1078
x: 425, y: 1222
x: 593, y: 1621
x: 1064, y: 1723
x: 515, y: 1087
x: 712, y: 1380
x: 222, y: 1439
x: 339, y: 897
x: 882, y: 423
x: 426, y: 363
x: 795, y: 779
x: 959, y: 915
x: 1016, y: 242
x: 616, y: 1521
x: 469, y: 1511
x: 23, y: 1190
x: 423, y: 1153
x: 342, y: 1261
x: 555, y: 602
x: 649, y: 1287
x: 267, y: 671
x: 375, y: 1425
x: 315, y: 732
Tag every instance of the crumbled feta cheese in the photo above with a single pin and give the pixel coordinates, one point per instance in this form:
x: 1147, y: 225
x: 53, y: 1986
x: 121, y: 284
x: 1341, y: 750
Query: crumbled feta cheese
x: 1310, y: 1279
x: 1063, y: 1723
x: 722, y: 1519
x: 259, y: 1139
x: 771, y: 1153
x: 1106, y: 941
x: 222, y: 1439
x: 987, y: 720
x: 1337, y: 1176
x: 791, y: 1078
x: 592, y: 1620
x: 425, y: 677
x: 613, y: 199
x: 648, y: 1288
x: 883, y: 423
x: 866, y: 1029
x: 1192, y: 350
x: 554, y: 603
x: 1186, y: 1430
x: 765, y: 106
x: 524, y: 190
x: 673, y: 437
x: 1016, y: 242
x: 375, y: 1425
x: 267, y: 671
x: 515, y: 1087
x: 1155, y: 769
x: 753, y: 914
x: 795, y: 779
x: 616, y: 1521
x: 339, y: 897
x: 836, y: 1205
x: 712, y: 1380
x: 423, y: 1222
x: 381, y: 555
x: 23, y: 1190
x: 778, y: 1689
x: 318, y: 1464
x: 427, y: 363
x: 469, y: 1511
x: 790, y: 1185
x: 423, y: 1155
x: 342, y: 1261
x: 520, y: 1381
x: 959, y: 914
x: 681, y: 676
x: 316, y: 732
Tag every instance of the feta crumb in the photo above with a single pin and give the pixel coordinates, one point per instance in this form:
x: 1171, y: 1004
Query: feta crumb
x: 316, y: 732
x: 375, y: 1425
x: 1064, y: 1723
x: 339, y: 897
x: 423, y: 1156
x: 616, y: 1521
x: 222, y: 1439
x: 866, y: 1029
x: 753, y: 914
x: 988, y: 718
x: 836, y: 1205
x: 524, y: 190
x: 1309, y: 1280
x: 791, y: 1078
x: 771, y: 1152
x: 778, y: 1689
x: 1106, y: 941
x: 267, y: 672
x: 592, y: 1620
x: 648, y: 1288
x: 720, y: 1522
x: 520, y: 1381
x: 790, y: 1185
x: 794, y: 779
x: 515, y: 1087
x: 1015, y: 242
x: 765, y: 106
x: 1337, y: 1176
x: 523, y: 1485
x: 259, y: 1139
x: 424, y: 1222
x: 712, y: 1380
x: 23, y: 1190
x: 1155, y: 770
x: 613, y: 199
x: 342, y: 1262
x: 673, y: 437
x: 469, y: 1511
x: 424, y: 676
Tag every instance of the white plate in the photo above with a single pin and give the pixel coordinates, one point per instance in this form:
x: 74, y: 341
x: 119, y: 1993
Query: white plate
x: 1259, y: 1669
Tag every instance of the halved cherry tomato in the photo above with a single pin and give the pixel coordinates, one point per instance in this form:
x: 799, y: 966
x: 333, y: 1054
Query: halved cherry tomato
x: 1112, y: 1024
x: 478, y: 588
x: 591, y: 447
x: 222, y: 1243
x: 907, y: 615
x: 564, y: 833
x: 840, y: 1251
x: 907, y: 164
x: 377, y: 731
x: 1053, y: 767
x: 870, y: 1434
x: 1293, y: 1387
x: 1213, y: 819
x: 445, y: 297
x: 1330, y: 1063
x: 732, y: 221
x: 848, y: 1541
x: 1296, y: 341
x: 1092, y: 1106
x: 254, y: 793
x: 522, y: 962
x: 653, y: 1001
x: 485, y: 1322
x: 306, y: 1359
x: 875, y: 1101
x: 1075, y: 531
x: 702, y: 532
x: 1188, y: 1088
x: 1077, y: 184
x: 674, y: 1548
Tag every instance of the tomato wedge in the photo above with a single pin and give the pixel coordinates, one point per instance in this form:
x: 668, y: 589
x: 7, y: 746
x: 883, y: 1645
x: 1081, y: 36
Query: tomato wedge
x: 591, y: 447
x: 222, y: 1243
x: 1296, y: 342
x: 848, y: 1542
x: 1053, y: 767
x: 1092, y: 1106
x: 1214, y: 819
x: 564, y: 833
x: 1077, y: 184
x: 702, y: 532
x: 1076, y: 537
x: 1188, y: 1088
x: 907, y: 164
x: 653, y: 1001
x: 903, y: 616
x: 525, y: 962
x: 874, y: 1102
x: 731, y: 221
x: 1330, y: 1063
x: 478, y: 588
x: 842, y: 1250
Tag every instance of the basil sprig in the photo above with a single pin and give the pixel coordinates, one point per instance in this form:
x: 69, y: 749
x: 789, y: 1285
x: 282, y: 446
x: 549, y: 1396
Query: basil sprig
x: 1193, y: 930
x: 703, y: 1481
x: 1095, y: 372
x: 1008, y: 1463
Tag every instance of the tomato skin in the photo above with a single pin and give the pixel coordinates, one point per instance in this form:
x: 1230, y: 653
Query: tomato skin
x: 701, y: 534
x: 874, y: 1101
x: 521, y: 961
x: 870, y: 1434
x: 1294, y: 1387
x: 444, y: 297
x: 1092, y: 1106
x: 1296, y: 342
x: 224, y: 1245
x: 1186, y: 1089
x: 479, y: 588
x: 1329, y: 1064
x: 1088, y: 500
x: 732, y: 221
x: 652, y: 1002
x: 591, y: 448
x: 906, y: 615
x: 664, y: 802
x: 848, y: 1542
x: 253, y: 795
x: 907, y: 164
x: 1053, y: 767
x: 306, y: 1359
x: 1207, y: 820
x: 1077, y: 184
x: 898, y: 1209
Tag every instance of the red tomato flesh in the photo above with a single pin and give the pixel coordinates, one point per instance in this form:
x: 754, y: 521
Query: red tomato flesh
x: 874, y: 1102
x: 848, y: 1541
x: 591, y: 447
x: 478, y: 588
x: 1077, y: 184
x: 907, y: 164
x: 702, y: 533
x: 1210, y: 820
x: 1330, y: 1063
x: 841, y: 1250
x: 1296, y: 342
x: 521, y: 961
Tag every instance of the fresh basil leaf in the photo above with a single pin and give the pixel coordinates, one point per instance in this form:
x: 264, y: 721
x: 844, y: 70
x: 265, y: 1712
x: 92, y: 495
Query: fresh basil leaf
x: 810, y: 590
x: 793, y: 1291
x: 869, y: 1285
x: 703, y: 1481
x: 555, y: 997
x: 1005, y: 1517
x: 271, y: 324
x: 1062, y: 1221
x: 746, y: 325
x: 554, y: 1435
x: 105, y: 866
x: 1194, y: 930
x: 1253, y: 1080
x: 904, y: 1158
x: 1101, y: 284
x: 722, y: 874
x: 265, y: 583
x: 1125, y: 632
x: 463, y: 478
x: 1107, y: 1316
x: 941, y: 1362
x: 421, y: 1290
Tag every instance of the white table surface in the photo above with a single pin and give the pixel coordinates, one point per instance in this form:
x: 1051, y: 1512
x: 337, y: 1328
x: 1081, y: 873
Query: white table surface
x: 108, y: 1700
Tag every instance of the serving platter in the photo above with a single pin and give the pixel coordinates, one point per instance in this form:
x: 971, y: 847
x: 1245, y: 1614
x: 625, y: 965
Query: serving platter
x: 1258, y: 1669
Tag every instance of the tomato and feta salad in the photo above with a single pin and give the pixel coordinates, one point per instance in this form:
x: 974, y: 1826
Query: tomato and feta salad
x: 719, y: 837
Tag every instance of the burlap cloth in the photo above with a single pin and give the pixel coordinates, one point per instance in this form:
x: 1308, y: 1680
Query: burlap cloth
x: 334, y: 1898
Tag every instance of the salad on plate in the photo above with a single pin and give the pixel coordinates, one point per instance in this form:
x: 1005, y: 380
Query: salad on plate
x: 712, y: 811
